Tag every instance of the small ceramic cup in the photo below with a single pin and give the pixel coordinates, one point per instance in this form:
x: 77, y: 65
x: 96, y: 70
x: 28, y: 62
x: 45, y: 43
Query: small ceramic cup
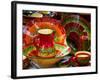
x: 83, y: 57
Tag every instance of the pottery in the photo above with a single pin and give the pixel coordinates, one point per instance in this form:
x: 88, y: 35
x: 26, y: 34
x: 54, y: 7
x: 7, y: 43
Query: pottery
x: 83, y: 57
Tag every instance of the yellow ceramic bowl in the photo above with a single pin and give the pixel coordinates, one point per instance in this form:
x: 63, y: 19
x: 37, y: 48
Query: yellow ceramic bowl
x: 45, y: 62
